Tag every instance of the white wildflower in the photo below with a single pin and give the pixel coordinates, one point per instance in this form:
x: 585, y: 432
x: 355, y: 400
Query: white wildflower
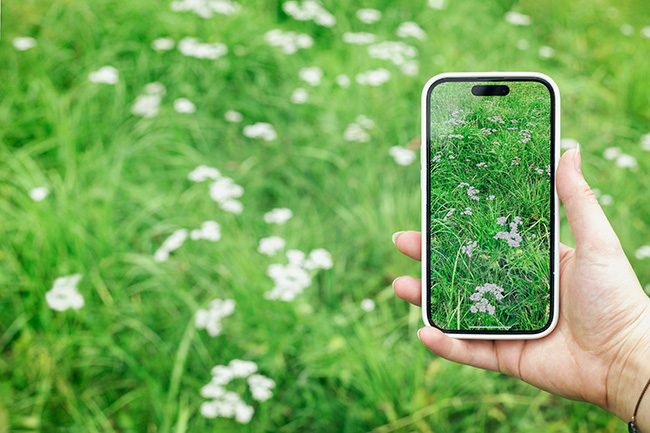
x: 184, y: 106
x: 191, y: 47
x: 64, y: 294
x: 367, y: 305
x: 24, y: 43
x: 309, y: 10
x: 646, y: 31
x: 568, y: 143
x: 606, y: 200
x: 517, y: 19
x: 278, y: 216
x: 203, y: 173
x: 104, y: 75
x: 147, y: 105
x: 170, y: 244
x: 626, y: 161
x: 642, y: 252
x: 299, y: 96
x: 311, y: 75
x: 290, y: 42
x: 163, y: 44
x: 546, y: 52
x: 260, y: 387
x: 469, y: 247
x: 210, y: 230
x: 233, y: 116
x: 396, y: 52
x: 262, y: 130
x: 450, y: 213
x: 627, y: 30
x: 210, y: 318
x: 436, y: 4
x: 289, y: 281
x: 410, y: 68
x: 467, y: 211
x: 39, y: 193
x: 319, y: 258
x: 373, y: 77
x: 206, y: 8
x: 481, y: 304
x: 232, y: 206
x: 512, y: 237
x: 225, y: 192
x: 402, y: 155
x: 271, y: 245
x: 645, y: 142
x: 343, y: 80
x: 612, y: 153
x: 368, y: 16
x: 155, y: 88
x: 411, y: 29
x: 361, y: 38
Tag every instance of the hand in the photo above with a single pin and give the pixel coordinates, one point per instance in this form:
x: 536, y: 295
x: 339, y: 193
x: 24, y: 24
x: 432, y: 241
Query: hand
x: 600, y: 350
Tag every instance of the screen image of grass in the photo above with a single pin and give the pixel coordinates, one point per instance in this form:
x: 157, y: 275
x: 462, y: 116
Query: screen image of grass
x: 490, y: 207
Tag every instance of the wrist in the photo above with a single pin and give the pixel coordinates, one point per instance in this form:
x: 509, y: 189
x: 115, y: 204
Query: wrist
x: 628, y: 375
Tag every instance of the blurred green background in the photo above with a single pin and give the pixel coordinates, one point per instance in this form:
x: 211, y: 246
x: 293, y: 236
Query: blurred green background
x: 132, y: 360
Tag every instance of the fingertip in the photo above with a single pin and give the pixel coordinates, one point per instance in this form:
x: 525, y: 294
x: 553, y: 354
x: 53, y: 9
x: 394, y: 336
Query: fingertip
x: 395, y: 235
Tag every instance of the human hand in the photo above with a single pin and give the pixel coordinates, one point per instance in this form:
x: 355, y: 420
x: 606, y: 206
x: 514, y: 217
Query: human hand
x: 600, y: 350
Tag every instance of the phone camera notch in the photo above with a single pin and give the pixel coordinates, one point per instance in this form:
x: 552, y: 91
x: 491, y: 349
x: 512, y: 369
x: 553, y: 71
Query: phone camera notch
x: 490, y: 90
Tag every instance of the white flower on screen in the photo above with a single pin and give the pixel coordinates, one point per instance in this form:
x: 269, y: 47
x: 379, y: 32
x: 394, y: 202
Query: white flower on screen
x: 309, y: 10
x: 481, y: 164
x: 311, y: 75
x: 568, y: 143
x: 517, y: 19
x: 368, y: 16
x: 170, y: 244
x: 184, y: 106
x: 373, y: 77
x: 361, y: 38
x: 299, y: 96
x: 469, y: 247
x: 467, y: 211
x: 39, y: 193
x: 104, y: 75
x: 612, y: 153
x: 642, y: 252
x: 411, y: 29
x: 436, y: 4
x: 24, y: 43
x: 210, y: 318
x: 402, y: 155
x: 450, y: 213
x: 262, y: 130
x: 513, y: 237
x: 626, y: 161
x: 367, y: 305
x: 482, y: 304
x: 546, y: 52
x: 64, y: 294
x: 163, y: 44
x: 203, y: 173
x: 271, y: 245
x: 233, y: 116
x: 645, y: 142
x: 228, y: 404
x: 523, y: 44
x: 319, y: 258
x: 472, y: 193
x: 290, y: 42
x: 396, y: 52
x: 502, y: 220
x: 437, y: 157
x: 343, y: 80
x: 192, y: 47
x: 491, y: 197
x: 210, y: 230
x: 278, y: 216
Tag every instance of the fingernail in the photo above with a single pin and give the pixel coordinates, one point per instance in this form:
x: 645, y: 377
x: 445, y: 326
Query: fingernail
x: 576, y: 158
x: 420, y: 330
x: 395, y: 235
x: 394, y: 282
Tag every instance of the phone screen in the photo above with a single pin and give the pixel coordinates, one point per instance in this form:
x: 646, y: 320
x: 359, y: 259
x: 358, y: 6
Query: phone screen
x: 491, y: 184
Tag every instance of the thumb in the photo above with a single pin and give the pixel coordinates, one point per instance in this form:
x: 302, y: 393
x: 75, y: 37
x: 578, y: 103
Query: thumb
x: 588, y: 222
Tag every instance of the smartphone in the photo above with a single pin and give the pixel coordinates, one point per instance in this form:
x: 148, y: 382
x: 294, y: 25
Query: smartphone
x: 490, y: 222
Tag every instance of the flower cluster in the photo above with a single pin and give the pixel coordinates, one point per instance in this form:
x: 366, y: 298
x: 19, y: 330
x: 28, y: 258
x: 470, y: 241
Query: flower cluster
x: 496, y: 119
x: 148, y: 104
x: 278, y: 216
x: 210, y: 318
x: 357, y: 131
x: 192, y: 47
x: 271, y: 245
x: 367, y: 305
x: 262, y: 130
x: 481, y: 304
x: 163, y: 44
x: 64, y: 294
x: 39, y: 193
x: 229, y: 404
x: 24, y: 43
x: 623, y: 160
x: 411, y: 29
x: 471, y: 191
x: 361, y: 38
x: 645, y: 142
x: 450, y: 213
x: 642, y: 252
x: 104, y: 75
x: 436, y: 4
x: 397, y: 52
x: 311, y: 75
x: 373, y: 77
x: 223, y: 189
x: 172, y: 243
x: 467, y: 249
x: 467, y: 211
x: 402, y: 155
x: 309, y: 10
x: 290, y: 42
x: 184, y: 106
x: 292, y: 279
x: 210, y: 231
x: 343, y: 80
x: 233, y: 116
x: 299, y: 96
x: 517, y: 19
x: 206, y: 8
x: 512, y: 237
x: 368, y: 16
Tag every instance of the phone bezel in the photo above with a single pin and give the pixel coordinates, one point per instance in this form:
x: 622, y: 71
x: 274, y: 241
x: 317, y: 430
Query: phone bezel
x: 425, y: 187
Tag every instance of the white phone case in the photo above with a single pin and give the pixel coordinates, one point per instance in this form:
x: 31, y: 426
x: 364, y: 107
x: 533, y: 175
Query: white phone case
x: 501, y: 76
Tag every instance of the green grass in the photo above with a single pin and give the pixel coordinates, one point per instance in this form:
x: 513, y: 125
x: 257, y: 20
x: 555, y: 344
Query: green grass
x: 509, y: 135
x: 131, y: 360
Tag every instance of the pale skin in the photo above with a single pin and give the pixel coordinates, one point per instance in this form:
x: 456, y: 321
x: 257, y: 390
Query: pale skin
x: 600, y: 350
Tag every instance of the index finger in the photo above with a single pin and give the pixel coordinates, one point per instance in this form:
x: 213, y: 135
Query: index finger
x: 410, y: 244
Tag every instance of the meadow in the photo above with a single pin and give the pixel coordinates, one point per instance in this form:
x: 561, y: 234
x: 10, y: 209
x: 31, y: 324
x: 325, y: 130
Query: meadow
x: 148, y: 147
x: 490, y: 207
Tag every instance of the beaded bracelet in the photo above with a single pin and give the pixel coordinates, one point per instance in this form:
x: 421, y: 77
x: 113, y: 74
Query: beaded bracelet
x: 632, y: 424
